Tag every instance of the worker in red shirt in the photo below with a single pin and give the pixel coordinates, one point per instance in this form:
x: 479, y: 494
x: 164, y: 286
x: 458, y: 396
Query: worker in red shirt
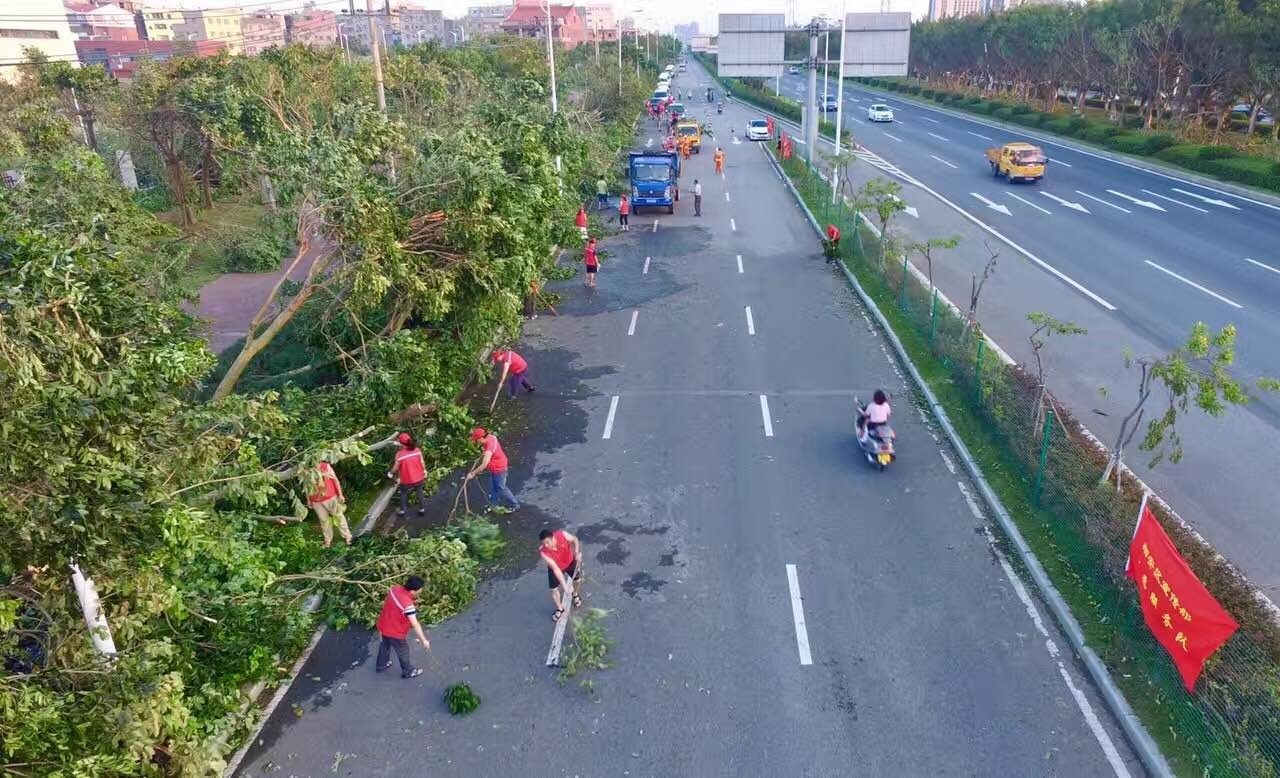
x: 399, y: 615
x: 580, y: 221
x: 592, y: 261
x: 515, y: 370
x: 624, y: 211
x: 831, y: 246
x: 494, y: 460
x: 562, y: 554
x: 411, y: 469
x: 329, y: 503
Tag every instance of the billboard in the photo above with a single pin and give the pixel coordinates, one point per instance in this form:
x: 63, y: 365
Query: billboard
x: 876, y: 44
x: 751, y: 45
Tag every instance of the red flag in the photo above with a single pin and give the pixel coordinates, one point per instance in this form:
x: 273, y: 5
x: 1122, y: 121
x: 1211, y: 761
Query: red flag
x: 1179, y: 611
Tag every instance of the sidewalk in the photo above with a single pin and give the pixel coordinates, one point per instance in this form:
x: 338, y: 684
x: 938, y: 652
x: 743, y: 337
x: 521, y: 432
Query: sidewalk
x: 229, y: 302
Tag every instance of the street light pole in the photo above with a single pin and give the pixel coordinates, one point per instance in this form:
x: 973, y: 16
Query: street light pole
x: 551, y: 63
x: 377, y: 58
x: 835, y: 174
x: 619, y: 58
x: 826, y: 57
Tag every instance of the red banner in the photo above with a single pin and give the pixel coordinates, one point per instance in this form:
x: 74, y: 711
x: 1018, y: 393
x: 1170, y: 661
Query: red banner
x: 1180, y: 612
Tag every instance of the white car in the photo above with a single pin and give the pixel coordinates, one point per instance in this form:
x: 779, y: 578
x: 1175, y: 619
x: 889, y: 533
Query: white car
x: 757, y: 129
x: 880, y: 112
x: 793, y: 70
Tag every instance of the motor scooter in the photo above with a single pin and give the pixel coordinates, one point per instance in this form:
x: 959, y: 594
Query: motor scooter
x: 720, y: 108
x: 877, y: 446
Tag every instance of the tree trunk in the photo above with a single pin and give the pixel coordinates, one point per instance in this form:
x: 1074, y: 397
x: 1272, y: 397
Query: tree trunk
x: 90, y: 131
x: 179, y: 182
x: 206, y: 188
x: 1080, y: 99
x: 1253, y: 118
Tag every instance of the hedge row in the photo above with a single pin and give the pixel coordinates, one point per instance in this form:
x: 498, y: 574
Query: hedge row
x: 1220, y: 162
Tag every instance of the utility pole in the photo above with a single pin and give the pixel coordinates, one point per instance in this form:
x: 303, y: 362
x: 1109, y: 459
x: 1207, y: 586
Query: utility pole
x: 826, y: 57
x: 811, y: 99
x: 377, y: 57
x: 595, y: 33
x: 619, y: 58
x: 839, y: 100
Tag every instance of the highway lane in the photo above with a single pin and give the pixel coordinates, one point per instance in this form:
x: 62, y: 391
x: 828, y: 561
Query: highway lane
x: 778, y: 607
x: 1151, y: 258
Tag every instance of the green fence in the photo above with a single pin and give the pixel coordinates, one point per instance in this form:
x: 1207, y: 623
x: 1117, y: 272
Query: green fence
x: 1048, y: 474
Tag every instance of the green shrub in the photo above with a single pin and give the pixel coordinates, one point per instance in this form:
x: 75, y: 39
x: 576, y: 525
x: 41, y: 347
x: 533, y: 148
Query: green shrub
x: 932, y: 94
x: 1004, y: 112
x: 1060, y: 126
x: 987, y: 107
x: 1029, y: 118
x: 482, y: 537
x: 1142, y: 144
x: 253, y: 253
x: 1076, y: 125
x: 1101, y: 133
x: 914, y: 89
x: 1216, y: 152
x: 154, y: 199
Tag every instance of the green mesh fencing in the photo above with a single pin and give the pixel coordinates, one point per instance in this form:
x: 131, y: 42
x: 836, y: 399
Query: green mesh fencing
x: 1049, y: 474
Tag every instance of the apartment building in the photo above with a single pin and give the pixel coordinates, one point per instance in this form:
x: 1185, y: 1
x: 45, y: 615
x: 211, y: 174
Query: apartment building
x: 600, y: 21
x: 101, y: 22
x: 261, y: 31
x: 529, y: 20
x: 419, y: 25
x: 482, y: 20
x: 41, y: 25
x: 312, y: 27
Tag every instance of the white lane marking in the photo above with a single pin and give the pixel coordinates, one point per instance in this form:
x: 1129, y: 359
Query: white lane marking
x: 645, y: 272
x: 648, y: 143
x: 733, y: 225
x: 993, y: 206
x: 856, y: 119
x: 797, y: 614
x: 1059, y: 162
x: 631, y: 330
x: 726, y: 195
x: 739, y: 263
x: 1033, y: 205
x: 1179, y: 202
x: 1209, y: 200
x: 939, y: 137
x: 764, y: 414
x: 946, y: 460
x: 1082, y: 702
x: 1189, y: 282
x: 979, y: 135
x: 655, y: 225
x: 608, y: 422
x: 943, y: 161
x: 895, y: 137
x: 935, y: 121
x: 557, y: 635
x: 910, y: 210
x: 1138, y: 201
x: 1263, y: 264
x: 751, y: 323
x: 1066, y: 203
x: 1104, y: 202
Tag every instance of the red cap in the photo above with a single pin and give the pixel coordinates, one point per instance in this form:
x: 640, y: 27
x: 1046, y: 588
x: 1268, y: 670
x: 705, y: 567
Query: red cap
x: 403, y: 437
x: 478, y: 433
x: 499, y: 353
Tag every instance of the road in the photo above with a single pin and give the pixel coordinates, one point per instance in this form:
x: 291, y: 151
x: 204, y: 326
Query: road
x: 1134, y: 256
x: 777, y: 606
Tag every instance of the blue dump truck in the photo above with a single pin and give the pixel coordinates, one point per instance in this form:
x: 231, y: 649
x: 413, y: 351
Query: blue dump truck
x: 655, y: 179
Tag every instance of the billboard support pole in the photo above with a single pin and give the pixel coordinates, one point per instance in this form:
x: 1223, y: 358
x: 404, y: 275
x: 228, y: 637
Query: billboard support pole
x: 839, y: 100
x: 811, y: 119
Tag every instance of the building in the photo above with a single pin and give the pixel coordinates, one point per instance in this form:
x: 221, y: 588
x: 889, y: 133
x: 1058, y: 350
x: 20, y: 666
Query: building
x: 312, y: 27
x: 601, y: 24
x: 261, y: 31
x: 211, y: 24
x: 163, y: 24
x: 943, y: 9
x: 121, y: 58
x: 418, y: 25
x: 704, y: 43
x: 529, y: 20
x: 483, y: 20
x: 42, y: 24
x: 685, y: 32
x: 355, y: 28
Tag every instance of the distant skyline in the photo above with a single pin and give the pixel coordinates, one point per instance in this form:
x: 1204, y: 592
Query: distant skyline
x: 660, y: 14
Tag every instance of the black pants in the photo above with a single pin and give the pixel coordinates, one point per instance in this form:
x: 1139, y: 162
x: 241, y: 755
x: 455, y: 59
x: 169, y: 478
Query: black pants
x: 697, y: 205
x: 418, y: 493
x: 401, y: 646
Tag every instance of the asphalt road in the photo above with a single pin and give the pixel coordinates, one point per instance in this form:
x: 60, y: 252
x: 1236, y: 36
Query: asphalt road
x: 1134, y: 256
x: 706, y: 457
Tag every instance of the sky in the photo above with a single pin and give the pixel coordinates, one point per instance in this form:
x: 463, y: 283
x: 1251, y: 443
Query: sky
x: 661, y: 14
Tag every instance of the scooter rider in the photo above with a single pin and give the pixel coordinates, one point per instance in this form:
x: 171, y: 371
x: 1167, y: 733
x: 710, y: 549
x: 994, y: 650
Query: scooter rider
x: 874, y: 416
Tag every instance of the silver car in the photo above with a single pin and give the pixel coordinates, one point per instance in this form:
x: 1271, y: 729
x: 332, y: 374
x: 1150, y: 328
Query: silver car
x: 757, y: 129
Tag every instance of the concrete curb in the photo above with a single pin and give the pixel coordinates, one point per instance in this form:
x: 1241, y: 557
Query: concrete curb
x: 1141, y: 163
x: 1147, y: 750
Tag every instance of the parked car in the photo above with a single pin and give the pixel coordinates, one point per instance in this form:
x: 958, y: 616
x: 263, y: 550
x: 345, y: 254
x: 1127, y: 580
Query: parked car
x: 794, y: 70
x: 879, y: 112
x: 1242, y: 110
x: 829, y: 104
x: 757, y: 129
